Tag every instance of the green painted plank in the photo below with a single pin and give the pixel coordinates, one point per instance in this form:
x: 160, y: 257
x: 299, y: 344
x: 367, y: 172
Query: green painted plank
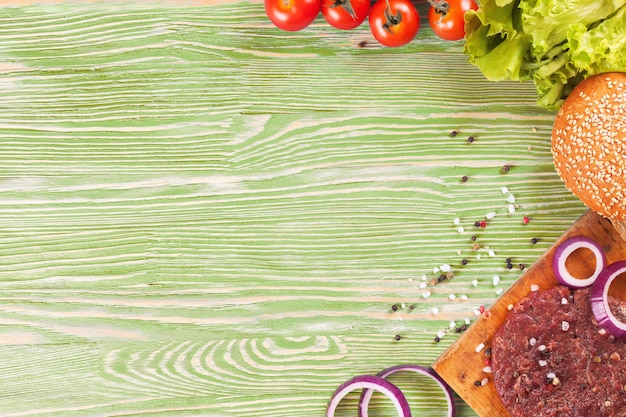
x: 202, y: 215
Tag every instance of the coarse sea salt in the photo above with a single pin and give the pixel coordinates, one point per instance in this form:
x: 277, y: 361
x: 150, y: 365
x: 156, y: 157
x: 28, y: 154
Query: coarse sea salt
x: 496, y: 280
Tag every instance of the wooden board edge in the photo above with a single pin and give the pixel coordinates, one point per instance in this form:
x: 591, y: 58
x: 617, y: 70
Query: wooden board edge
x: 462, y: 364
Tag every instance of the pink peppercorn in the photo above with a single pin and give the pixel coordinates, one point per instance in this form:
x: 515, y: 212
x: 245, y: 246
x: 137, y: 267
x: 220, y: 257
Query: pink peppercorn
x: 526, y: 220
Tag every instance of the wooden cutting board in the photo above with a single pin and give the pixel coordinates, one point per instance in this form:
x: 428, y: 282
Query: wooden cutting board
x: 461, y: 365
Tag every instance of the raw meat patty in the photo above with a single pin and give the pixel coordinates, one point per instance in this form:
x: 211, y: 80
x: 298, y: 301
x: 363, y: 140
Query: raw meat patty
x: 550, y: 358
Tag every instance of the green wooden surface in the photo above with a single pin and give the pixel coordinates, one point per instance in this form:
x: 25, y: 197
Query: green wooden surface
x: 203, y: 215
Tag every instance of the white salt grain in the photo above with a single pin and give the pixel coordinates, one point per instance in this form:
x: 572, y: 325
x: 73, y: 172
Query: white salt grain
x: 496, y: 280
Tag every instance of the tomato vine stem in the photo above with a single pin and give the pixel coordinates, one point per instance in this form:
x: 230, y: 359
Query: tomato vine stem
x: 441, y: 7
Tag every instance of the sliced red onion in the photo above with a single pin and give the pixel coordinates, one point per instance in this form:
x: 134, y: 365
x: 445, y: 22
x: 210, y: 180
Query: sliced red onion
x: 563, y: 252
x: 366, y: 396
x: 370, y: 383
x: 600, y: 300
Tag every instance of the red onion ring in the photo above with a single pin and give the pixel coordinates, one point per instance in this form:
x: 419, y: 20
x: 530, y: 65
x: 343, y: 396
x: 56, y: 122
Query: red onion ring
x: 366, y: 396
x: 563, y: 252
x: 600, y: 300
x: 370, y: 382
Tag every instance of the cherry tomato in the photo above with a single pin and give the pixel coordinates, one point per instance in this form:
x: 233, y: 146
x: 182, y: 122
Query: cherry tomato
x: 451, y: 26
x: 345, y: 14
x: 394, y: 22
x: 292, y: 15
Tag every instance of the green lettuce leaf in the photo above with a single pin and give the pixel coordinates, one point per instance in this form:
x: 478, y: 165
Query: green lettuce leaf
x: 548, y: 21
x: 555, y: 43
x: 601, y: 48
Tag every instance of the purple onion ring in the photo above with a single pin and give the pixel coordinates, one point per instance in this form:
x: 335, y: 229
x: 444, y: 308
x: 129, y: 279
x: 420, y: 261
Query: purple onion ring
x: 366, y: 396
x: 370, y: 383
x: 563, y: 252
x: 600, y: 300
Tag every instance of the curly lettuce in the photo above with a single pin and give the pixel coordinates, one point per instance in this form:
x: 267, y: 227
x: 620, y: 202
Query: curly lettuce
x: 554, y: 43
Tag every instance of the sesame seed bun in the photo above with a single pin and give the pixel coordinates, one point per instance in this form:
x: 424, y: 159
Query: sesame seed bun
x: 589, y: 144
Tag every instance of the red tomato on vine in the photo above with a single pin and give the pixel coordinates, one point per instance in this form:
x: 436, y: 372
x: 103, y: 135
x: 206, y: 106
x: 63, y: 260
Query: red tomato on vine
x: 394, y: 22
x: 292, y: 15
x: 345, y: 14
x: 447, y: 17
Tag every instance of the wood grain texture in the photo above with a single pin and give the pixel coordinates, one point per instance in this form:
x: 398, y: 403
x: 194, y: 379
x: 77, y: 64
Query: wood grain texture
x: 203, y: 215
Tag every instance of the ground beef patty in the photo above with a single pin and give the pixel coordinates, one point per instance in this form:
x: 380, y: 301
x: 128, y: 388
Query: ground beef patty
x: 550, y: 358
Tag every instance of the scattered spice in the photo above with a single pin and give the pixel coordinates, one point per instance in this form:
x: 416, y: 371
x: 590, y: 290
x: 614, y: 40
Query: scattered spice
x: 398, y: 337
x: 506, y: 168
x: 464, y: 178
x: 525, y: 220
x: 471, y: 139
x: 454, y: 133
x: 534, y: 240
x: 477, y: 383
